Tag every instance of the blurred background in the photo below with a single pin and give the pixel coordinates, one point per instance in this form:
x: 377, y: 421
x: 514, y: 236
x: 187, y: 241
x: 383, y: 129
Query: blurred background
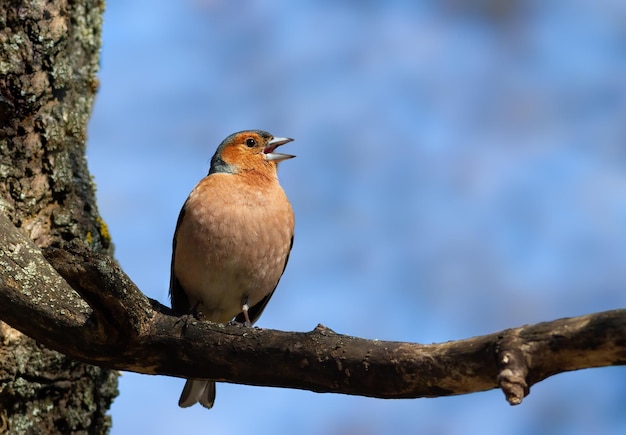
x: 461, y: 169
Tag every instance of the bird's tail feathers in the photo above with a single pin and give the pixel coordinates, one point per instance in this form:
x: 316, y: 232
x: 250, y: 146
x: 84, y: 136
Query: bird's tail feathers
x: 195, y: 391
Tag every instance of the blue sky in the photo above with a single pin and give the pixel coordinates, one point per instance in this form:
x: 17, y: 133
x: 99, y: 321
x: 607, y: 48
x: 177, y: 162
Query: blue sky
x: 461, y: 169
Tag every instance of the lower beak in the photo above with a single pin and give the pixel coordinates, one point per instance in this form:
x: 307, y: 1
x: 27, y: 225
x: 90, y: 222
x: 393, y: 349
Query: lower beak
x: 270, y: 155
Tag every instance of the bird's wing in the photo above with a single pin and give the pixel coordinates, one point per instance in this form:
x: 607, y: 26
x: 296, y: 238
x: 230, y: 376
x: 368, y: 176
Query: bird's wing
x: 256, y: 310
x: 180, y: 302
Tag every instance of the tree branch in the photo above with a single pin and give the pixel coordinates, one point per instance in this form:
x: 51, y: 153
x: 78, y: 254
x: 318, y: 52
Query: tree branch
x: 96, y: 314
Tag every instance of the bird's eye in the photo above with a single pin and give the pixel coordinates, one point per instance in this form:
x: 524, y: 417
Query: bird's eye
x: 250, y: 142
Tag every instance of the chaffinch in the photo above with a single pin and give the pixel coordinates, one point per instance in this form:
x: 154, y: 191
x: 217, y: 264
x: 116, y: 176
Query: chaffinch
x: 232, y: 240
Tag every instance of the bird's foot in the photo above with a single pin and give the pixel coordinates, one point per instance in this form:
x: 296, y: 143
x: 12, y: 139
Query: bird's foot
x: 185, y: 320
x: 244, y: 310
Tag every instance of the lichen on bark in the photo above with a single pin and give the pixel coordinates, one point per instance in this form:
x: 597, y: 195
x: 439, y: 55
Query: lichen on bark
x: 49, y: 56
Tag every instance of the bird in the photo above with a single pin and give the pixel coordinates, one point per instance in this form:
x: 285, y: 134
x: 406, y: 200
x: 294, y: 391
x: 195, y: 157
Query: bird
x: 232, y: 240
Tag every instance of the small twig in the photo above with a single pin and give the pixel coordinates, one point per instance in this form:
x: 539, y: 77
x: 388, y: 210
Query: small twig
x: 513, y: 369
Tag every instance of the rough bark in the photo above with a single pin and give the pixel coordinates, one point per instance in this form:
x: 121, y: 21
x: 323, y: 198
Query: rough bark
x: 49, y: 54
x: 104, y: 319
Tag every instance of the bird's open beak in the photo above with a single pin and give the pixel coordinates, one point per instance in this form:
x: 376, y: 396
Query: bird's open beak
x: 272, y: 145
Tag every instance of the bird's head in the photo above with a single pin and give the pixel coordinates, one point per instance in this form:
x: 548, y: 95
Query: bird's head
x: 250, y: 150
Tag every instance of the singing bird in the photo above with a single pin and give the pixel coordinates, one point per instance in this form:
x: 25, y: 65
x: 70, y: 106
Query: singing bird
x: 232, y: 240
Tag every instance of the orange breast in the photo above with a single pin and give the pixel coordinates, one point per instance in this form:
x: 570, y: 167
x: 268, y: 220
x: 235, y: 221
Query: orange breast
x: 232, y: 243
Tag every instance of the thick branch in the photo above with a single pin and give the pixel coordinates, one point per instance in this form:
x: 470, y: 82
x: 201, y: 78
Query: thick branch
x: 113, y: 324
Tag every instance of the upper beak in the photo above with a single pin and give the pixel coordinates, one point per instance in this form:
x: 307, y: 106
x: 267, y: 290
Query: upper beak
x: 272, y: 145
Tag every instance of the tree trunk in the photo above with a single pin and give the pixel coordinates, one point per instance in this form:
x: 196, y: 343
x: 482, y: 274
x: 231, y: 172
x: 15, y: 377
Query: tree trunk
x: 49, y: 52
